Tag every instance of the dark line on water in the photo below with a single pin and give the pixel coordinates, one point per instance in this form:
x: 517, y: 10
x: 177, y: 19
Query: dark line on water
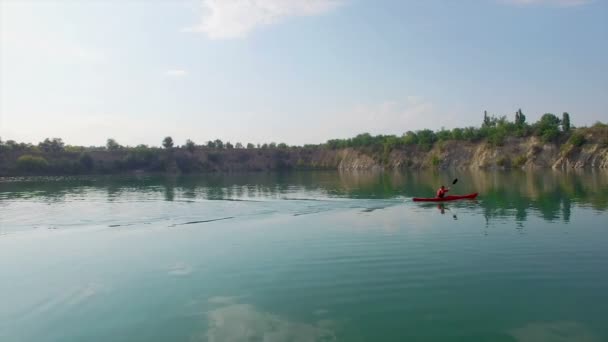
x: 202, y: 221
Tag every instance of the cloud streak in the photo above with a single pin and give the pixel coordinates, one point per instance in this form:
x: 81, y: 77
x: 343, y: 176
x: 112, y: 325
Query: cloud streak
x: 175, y: 73
x: 229, y: 19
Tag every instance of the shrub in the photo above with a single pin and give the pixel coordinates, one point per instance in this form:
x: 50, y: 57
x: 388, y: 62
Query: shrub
x: 31, y: 163
x: 550, y: 135
x: 520, y: 161
x: 577, y: 139
x: 435, y: 160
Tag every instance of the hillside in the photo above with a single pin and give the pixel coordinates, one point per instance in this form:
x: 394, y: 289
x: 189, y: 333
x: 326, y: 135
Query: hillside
x: 585, y: 148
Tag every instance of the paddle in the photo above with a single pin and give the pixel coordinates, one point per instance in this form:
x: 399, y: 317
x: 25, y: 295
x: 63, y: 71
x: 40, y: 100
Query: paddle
x: 454, y: 215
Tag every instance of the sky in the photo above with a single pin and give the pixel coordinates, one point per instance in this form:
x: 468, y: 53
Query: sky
x: 293, y: 71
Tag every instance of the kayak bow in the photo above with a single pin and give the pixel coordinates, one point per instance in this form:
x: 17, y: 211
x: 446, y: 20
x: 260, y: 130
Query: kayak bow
x: 446, y: 198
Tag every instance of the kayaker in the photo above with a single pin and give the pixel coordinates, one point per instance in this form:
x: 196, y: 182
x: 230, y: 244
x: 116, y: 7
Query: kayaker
x: 442, y: 191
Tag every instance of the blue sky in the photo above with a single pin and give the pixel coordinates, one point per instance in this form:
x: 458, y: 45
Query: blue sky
x: 292, y: 71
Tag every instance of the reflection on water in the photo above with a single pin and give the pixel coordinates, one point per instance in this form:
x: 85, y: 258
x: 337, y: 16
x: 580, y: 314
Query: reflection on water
x: 306, y: 256
x: 442, y: 208
x: 547, y: 194
x: 233, y: 321
x: 560, y: 331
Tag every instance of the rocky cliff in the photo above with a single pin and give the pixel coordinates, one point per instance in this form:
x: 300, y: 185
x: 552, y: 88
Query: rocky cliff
x: 525, y: 153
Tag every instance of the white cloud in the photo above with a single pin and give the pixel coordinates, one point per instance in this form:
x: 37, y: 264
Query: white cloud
x: 559, y: 3
x: 225, y: 19
x: 175, y: 73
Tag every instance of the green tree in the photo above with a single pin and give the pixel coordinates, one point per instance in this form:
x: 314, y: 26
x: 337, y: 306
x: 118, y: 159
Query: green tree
x: 547, y: 127
x: 520, y: 118
x: 229, y: 145
x: 566, y: 122
x: 457, y: 134
x: 112, y: 145
x: 410, y: 138
x: 210, y: 144
x: 282, y: 145
x: 52, y: 145
x: 238, y: 145
x: 426, y: 137
x: 272, y: 145
x: 190, y: 146
x: 168, y: 142
x: 219, y: 143
x: 444, y: 135
x: 362, y: 140
x: 486, y: 119
x: 250, y: 146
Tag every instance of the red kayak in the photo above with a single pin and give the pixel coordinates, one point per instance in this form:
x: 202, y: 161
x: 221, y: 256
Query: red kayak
x: 446, y: 198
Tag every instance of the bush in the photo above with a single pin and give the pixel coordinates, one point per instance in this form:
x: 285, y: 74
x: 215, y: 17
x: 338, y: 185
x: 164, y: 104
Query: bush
x: 497, y: 138
x: 577, y: 139
x: 31, y: 163
x: 520, y: 161
x: 410, y: 138
x: 435, y: 160
x: 550, y: 134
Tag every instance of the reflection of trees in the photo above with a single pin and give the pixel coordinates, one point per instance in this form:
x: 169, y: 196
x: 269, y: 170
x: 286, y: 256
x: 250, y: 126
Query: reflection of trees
x: 549, y: 194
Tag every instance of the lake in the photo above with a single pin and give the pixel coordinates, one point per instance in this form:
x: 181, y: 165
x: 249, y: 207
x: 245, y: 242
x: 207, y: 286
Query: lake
x: 305, y: 256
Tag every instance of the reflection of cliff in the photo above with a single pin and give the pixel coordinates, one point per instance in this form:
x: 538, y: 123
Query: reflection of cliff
x: 550, y: 195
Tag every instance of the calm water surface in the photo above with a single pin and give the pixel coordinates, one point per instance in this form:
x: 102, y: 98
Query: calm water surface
x: 304, y: 256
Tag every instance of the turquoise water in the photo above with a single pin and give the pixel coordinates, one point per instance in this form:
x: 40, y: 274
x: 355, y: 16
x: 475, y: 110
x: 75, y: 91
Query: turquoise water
x: 307, y: 256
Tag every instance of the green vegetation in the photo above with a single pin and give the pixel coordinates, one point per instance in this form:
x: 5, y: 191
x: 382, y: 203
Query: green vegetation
x: 577, y: 139
x: 54, y: 145
x: 190, y: 146
x: 548, y: 127
x: 495, y: 130
x: 29, y: 163
x: 168, y: 142
x: 566, y: 122
x: 53, y: 156
x: 520, y: 161
x: 112, y: 145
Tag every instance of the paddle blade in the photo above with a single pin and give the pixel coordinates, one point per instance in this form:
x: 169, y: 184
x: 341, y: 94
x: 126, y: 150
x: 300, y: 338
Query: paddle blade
x: 455, y: 181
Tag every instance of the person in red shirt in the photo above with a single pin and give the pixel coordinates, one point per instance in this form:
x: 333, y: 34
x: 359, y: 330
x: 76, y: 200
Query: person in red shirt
x: 442, y: 191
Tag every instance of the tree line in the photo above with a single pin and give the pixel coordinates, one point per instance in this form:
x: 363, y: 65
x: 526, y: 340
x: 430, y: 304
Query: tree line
x: 494, y: 129
x: 50, y: 154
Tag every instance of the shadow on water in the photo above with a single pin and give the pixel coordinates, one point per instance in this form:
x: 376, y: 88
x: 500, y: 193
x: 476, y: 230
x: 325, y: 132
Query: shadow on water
x: 546, y: 194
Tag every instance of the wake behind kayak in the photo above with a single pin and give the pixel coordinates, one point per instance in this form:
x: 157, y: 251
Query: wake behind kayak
x: 446, y: 198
